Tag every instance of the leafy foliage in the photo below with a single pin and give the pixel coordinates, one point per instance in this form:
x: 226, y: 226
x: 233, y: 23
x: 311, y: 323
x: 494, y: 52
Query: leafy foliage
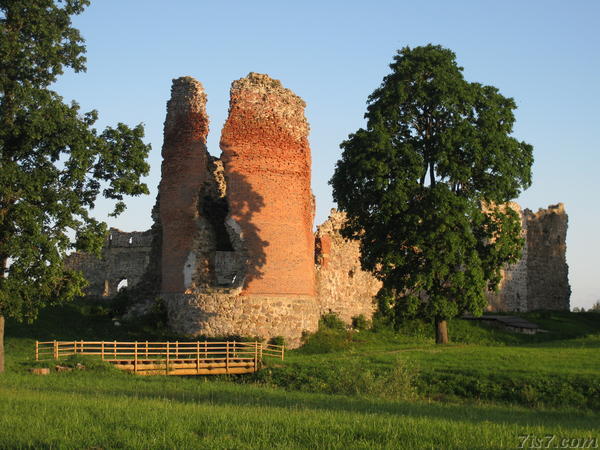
x: 425, y: 184
x: 53, y: 163
x: 332, y: 321
x: 361, y: 323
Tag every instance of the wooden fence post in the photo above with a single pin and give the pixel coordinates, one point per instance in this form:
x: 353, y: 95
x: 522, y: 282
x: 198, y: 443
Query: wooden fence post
x: 176, y: 349
x: 167, y: 360
x: 102, y: 350
x: 146, y: 349
x: 115, y: 349
x: 282, y: 350
x: 197, y: 357
x: 227, y: 357
x: 135, y: 356
x: 255, y: 356
x: 55, y: 348
x: 37, y: 352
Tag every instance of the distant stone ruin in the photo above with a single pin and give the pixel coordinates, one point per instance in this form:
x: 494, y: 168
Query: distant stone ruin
x: 232, y: 250
x: 125, y: 259
x: 540, y: 280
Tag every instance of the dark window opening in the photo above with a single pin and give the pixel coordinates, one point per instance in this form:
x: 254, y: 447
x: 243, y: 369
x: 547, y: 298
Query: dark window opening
x: 216, y: 211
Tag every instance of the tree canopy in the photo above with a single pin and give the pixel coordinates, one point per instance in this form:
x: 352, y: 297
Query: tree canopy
x: 53, y: 163
x: 425, y: 184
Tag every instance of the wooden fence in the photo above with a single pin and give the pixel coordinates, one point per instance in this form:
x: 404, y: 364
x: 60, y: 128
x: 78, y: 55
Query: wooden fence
x: 170, y: 358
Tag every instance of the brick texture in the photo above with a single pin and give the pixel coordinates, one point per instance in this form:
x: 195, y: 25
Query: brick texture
x: 267, y: 162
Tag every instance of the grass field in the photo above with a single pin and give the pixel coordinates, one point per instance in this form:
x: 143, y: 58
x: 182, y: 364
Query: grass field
x: 353, y: 390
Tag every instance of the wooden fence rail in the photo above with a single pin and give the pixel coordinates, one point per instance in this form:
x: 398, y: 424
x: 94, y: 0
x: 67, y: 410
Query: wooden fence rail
x: 171, y: 358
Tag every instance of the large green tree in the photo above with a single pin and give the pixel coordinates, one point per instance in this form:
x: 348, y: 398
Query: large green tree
x: 424, y: 186
x: 53, y: 163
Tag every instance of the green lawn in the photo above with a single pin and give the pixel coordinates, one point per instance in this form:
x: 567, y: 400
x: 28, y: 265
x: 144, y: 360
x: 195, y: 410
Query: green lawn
x: 352, y: 390
x: 85, y: 410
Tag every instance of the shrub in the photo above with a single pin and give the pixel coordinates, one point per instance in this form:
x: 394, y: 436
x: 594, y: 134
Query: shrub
x: 326, y: 340
x: 350, y: 377
x: 277, y: 340
x: 361, y: 323
x: 332, y: 321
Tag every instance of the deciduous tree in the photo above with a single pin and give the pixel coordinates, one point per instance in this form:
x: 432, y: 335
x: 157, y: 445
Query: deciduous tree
x: 425, y: 184
x: 53, y: 163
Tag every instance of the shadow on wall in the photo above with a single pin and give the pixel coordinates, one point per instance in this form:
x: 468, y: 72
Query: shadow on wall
x: 244, y: 203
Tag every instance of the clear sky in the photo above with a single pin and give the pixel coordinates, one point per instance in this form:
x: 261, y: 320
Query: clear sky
x: 333, y: 54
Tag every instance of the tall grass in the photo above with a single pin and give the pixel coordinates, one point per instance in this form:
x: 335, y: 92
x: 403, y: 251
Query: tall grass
x: 86, y: 410
x: 365, y: 389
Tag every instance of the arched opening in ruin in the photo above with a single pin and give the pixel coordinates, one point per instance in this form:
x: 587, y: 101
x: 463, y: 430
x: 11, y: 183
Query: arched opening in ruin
x: 122, y: 284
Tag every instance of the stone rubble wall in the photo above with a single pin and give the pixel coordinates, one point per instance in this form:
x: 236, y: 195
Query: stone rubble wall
x: 222, y: 314
x: 124, y: 256
x: 342, y: 286
x: 512, y: 290
x: 547, y: 270
x: 540, y: 280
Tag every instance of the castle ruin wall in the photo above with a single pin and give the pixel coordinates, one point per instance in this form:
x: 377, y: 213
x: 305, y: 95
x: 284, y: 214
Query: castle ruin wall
x: 547, y: 270
x: 184, y: 172
x: 232, y: 249
x: 267, y: 165
x: 342, y: 286
x: 512, y: 289
x: 246, y: 223
x: 125, y: 256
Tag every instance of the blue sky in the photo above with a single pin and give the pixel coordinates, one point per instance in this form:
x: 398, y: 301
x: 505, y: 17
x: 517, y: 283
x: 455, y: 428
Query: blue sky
x: 544, y: 54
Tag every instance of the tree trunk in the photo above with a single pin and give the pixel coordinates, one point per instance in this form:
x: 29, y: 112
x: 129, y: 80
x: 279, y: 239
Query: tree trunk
x: 441, y: 331
x: 1, y: 344
x: 3, y: 267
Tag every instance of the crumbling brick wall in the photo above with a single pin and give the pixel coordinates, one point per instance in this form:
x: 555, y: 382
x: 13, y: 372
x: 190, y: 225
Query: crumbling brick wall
x: 237, y: 231
x: 267, y: 164
x: 184, y: 172
x: 232, y: 249
x: 512, y: 290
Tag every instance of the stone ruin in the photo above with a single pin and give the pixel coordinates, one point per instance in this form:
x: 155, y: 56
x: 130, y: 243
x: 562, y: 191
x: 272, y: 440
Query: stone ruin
x: 540, y: 280
x: 232, y: 250
x: 125, y: 258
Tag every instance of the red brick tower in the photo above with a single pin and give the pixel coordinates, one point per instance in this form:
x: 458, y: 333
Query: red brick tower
x: 267, y: 163
x: 184, y: 171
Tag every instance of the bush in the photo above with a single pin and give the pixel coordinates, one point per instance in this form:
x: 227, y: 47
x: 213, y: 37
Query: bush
x: 361, y: 323
x: 543, y: 390
x: 120, y: 303
x: 277, y: 340
x: 332, y: 321
x: 350, y: 377
x: 87, y: 363
x: 326, y: 340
